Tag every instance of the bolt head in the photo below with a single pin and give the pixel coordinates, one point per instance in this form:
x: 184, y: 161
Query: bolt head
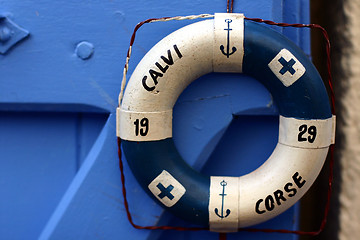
x: 5, y: 34
x: 84, y: 50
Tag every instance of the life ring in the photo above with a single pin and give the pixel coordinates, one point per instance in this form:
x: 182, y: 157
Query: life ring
x: 227, y: 43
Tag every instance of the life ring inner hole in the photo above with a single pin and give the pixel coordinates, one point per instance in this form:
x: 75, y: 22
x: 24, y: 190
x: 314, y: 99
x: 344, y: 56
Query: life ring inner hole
x: 225, y: 119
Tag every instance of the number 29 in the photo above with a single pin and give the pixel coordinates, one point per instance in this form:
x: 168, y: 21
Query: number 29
x: 311, y: 133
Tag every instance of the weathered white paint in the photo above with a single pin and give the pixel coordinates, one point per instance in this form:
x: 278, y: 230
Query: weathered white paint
x: 291, y: 128
x: 129, y: 125
x: 233, y: 62
x: 196, y: 60
x: 273, y: 175
x: 224, y: 201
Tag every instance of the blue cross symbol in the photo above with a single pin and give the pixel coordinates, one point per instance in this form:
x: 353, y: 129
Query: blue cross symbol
x: 287, y: 66
x: 165, y: 192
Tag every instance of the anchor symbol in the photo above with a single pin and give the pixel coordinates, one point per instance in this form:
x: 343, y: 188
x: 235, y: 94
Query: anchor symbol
x: 228, y: 29
x: 223, y: 184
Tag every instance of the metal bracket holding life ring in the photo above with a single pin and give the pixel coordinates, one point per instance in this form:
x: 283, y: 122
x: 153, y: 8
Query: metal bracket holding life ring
x: 306, y: 126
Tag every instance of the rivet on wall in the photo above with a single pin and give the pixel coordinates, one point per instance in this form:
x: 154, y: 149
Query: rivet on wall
x: 84, y: 50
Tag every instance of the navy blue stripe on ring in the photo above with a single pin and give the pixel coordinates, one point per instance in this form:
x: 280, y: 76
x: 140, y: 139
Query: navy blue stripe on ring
x: 307, y: 97
x: 148, y: 159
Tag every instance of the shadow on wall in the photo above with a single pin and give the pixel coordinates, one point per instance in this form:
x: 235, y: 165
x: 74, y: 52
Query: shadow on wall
x: 331, y: 16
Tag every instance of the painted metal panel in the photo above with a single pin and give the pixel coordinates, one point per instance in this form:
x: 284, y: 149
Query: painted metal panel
x: 59, y: 172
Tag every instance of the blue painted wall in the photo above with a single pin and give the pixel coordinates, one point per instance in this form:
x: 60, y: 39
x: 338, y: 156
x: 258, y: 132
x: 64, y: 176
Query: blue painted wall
x: 59, y: 174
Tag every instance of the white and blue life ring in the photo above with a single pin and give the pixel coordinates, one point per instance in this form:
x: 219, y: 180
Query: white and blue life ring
x: 228, y: 43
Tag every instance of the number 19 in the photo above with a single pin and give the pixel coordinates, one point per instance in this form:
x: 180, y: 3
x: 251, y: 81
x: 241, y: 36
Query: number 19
x: 141, y: 126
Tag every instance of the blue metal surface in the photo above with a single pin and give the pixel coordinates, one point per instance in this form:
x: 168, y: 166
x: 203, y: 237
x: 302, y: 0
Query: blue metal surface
x: 59, y: 172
